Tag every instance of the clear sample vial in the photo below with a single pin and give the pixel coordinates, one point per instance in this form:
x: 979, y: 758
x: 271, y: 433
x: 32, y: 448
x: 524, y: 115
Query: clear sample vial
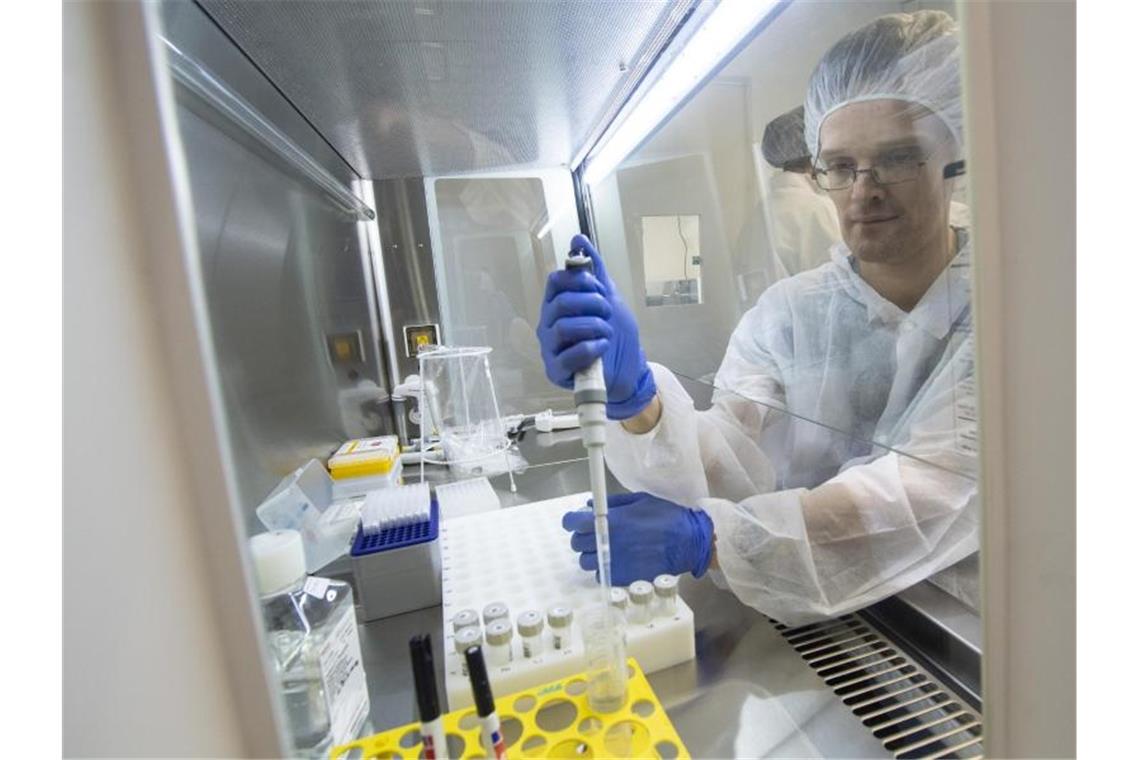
x: 495, y: 611
x: 640, y: 610
x: 665, y: 587
x: 560, y: 618
x: 313, y: 641
x: 603, y: 638
x: 530, y: 630
x: 465, y: 638
x: 619, y: 598
x: 464, y: 619
x: 498, y: 648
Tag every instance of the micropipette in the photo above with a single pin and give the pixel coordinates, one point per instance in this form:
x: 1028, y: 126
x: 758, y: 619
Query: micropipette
x: 590, y: 400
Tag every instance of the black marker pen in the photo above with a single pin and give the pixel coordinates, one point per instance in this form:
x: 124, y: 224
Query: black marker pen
x: 423, y: 674
x: 492, y: 733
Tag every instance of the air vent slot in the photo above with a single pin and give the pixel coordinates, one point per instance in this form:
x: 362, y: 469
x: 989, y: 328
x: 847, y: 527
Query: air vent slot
x: 903, y: 705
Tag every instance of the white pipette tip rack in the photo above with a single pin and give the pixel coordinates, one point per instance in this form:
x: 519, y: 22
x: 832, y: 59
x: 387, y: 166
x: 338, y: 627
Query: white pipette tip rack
x: 393, y: 507
x: 521, y: 556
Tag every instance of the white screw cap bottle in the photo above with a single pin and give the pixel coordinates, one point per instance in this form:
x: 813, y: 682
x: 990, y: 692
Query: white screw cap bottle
x: 278, y: 560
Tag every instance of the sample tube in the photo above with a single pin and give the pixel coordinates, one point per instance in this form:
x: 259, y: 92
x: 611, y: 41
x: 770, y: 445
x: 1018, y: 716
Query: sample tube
x: 427, y: 698
x: 465, y: 638
x: 665, y: 586
x: 530, y: 629
x: 560, y: 619
x: 499, y: 635
x: 603, y: 638
x: 464, y: 619
x: 491, y: 735
x: 640, y: 610
x: 495, y: 611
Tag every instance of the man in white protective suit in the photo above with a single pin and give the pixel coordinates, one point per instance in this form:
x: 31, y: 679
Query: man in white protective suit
x: 802, y: 219
x: 837, y: 464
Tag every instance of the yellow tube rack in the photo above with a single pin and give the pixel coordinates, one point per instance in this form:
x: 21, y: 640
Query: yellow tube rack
x: 553, y: 720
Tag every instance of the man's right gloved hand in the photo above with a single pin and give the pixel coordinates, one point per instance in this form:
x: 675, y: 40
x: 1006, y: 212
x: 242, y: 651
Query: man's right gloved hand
x: 583, y: 318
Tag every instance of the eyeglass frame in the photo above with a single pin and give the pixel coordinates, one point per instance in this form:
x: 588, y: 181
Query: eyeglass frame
x: 816, y: 171
x: 950, y: 171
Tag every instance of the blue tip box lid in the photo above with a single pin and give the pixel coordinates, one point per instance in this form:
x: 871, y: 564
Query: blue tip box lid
x: 399, y: 536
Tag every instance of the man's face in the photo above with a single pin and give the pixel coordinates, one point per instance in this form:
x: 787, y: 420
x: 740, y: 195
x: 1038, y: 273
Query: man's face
x: 888, y: 223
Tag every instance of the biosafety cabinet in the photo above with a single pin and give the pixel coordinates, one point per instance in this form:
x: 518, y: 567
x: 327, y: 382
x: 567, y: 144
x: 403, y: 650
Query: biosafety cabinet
x: 280, y: 203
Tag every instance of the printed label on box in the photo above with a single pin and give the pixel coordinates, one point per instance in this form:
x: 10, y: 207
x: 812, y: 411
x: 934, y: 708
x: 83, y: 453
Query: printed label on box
x: 343, y: 677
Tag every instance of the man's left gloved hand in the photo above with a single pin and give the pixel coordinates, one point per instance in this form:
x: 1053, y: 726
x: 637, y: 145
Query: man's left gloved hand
x: 648, y: 536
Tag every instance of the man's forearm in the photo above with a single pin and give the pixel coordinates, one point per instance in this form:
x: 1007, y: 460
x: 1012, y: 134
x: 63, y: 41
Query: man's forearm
x: 646, y: 419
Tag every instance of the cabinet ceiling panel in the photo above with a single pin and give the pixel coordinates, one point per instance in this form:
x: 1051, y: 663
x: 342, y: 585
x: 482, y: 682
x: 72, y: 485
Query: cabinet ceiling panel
x: 425, y: 88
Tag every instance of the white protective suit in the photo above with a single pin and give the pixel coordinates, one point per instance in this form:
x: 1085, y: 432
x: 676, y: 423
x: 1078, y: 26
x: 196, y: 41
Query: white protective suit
x: 817, y: 370
x: 804, y: 224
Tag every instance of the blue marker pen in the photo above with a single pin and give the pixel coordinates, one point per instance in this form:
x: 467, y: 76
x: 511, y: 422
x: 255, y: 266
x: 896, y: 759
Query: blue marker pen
x: 492, y: 733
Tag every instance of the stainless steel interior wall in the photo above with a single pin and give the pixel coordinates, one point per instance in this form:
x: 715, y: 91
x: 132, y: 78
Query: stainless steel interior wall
x: 284, y: 270
x: 401, y: 209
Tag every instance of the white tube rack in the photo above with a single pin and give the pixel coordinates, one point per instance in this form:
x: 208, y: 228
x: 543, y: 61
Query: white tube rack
x: 522, y: 556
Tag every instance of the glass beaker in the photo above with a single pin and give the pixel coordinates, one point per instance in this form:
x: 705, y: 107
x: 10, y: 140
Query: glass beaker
x: 459, y: 406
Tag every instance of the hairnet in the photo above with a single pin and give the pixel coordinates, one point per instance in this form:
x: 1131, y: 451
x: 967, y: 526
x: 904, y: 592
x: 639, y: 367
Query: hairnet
x: 783, y: 141
x: 911, y: 57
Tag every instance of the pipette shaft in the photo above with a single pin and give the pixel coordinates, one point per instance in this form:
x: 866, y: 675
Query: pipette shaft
x: 590, y: 400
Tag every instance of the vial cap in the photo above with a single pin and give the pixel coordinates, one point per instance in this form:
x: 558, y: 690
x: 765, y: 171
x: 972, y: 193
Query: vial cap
x: 278, y: 560
x: 464, y: 619
x: 619, y: 598
x: 641, y: 592
x: 560, y: 616
x: 665, y: 585
x: 465, y: 638
x: 495, y: 611
x: 499, y: 632
x: 530, y: 623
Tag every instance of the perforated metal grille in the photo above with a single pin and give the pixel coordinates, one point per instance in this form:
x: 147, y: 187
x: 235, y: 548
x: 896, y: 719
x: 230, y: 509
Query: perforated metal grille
x: 906, y: 709
x: 407, y: 88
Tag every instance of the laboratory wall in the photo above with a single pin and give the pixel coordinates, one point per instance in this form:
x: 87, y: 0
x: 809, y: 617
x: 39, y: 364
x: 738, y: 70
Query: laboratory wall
x: 408, y: 269
x: 287, y: 275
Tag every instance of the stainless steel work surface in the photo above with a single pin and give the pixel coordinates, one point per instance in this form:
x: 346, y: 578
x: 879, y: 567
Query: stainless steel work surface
x: 747, y: 693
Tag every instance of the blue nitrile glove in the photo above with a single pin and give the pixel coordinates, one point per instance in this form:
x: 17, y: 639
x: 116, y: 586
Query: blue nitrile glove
x: 583, y: 317
x: 648, y: 536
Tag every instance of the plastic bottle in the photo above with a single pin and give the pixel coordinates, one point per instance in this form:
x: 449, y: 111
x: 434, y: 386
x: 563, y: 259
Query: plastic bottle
x: 640, y: 609
x: 619, y: 599
x: 560, y: 618
x: 311, y: 627
x: 465, y: 619
x: 665, y: 587
x: 498, y: 647
x: 465, y: 638
x: 496, y: 611
x: 530, y: 629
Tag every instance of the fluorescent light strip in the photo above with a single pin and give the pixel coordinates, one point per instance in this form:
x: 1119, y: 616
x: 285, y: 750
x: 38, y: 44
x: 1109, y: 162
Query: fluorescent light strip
x: 729, y: 23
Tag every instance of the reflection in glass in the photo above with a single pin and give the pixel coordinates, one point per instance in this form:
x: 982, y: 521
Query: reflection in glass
x: 496, y: 251
x: 838, y: 453
x: 804, y: 224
